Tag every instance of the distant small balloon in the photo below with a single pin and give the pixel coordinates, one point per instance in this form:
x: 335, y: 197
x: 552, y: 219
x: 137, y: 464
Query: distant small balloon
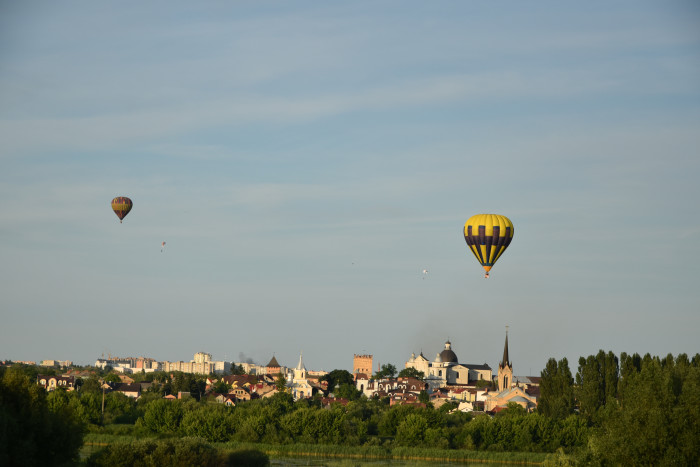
x: 121, y: 205
x: 162, y: 247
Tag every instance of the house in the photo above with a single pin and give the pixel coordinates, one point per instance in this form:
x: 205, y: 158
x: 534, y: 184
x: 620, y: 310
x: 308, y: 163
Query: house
x: 327, y: 402
x: 132, y: 390
x: 240, y: 394
x: 240, y: 380
x: 262, y: 390
x: 228, y: 400
x: 51, y: 383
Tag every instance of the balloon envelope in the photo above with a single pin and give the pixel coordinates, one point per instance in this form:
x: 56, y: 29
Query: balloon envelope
x: 488, y: 236
x: 121, y: 205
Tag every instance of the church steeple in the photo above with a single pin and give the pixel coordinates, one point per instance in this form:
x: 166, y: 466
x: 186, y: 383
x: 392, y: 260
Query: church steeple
x: 506, y: 359
x: 505, y: 369
x: 300, y: 370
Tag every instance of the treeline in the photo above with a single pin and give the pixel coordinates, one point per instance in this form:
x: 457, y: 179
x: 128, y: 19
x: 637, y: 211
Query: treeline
x: 632, y: 410
x: 639, y: 410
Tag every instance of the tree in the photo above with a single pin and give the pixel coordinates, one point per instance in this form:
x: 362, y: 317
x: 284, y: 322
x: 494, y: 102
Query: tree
x: 348, y: 391
x: 337, y: 377
x: 411, y: 373
x: 596, y: 382
x: 556, y: 390
x: 411, y: 431
x: 387, y: 371
x: 590, y: 386
x: 35, y: 430
x: 113, y: 378
x: 424, y: 397
x: 221, y: 387
x: 91, y: 385
x: 658, y: 422
x: 163, y: 416
x: 281, y: 383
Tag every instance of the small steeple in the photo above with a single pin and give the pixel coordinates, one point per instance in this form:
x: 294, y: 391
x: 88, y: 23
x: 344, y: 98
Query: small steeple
x: 300, y: 366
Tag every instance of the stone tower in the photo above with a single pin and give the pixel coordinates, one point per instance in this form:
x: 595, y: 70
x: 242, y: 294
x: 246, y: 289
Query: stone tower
x: 505, y: 369
x: 362, y: 364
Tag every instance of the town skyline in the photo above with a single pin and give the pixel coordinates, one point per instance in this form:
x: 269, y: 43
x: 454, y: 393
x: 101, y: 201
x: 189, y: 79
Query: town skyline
x: 104, y: 360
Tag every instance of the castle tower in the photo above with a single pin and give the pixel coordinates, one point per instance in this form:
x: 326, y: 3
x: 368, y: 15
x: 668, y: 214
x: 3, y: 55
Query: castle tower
x: 505, y: 369
x: 362, y: 364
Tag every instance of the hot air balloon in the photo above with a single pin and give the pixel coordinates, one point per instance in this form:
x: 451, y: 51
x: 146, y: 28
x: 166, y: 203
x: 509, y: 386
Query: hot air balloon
x: 121, y: 205
x: 488, y: 236
x: 162, y: 247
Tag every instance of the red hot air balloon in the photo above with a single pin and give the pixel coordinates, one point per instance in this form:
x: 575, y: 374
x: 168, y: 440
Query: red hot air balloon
x: 121, y: 205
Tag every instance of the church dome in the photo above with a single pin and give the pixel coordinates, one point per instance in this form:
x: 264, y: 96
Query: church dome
x: 447, y: 355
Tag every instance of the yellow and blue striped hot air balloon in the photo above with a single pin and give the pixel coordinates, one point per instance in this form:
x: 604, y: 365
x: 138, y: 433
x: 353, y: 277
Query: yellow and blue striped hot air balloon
x: 121, y: 205
x: 488, y: 236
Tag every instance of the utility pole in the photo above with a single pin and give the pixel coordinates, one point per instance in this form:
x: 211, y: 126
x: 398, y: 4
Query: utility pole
x: 103, y: 403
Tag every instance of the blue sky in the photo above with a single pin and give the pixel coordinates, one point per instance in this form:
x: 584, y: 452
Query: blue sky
x: 305, y: 161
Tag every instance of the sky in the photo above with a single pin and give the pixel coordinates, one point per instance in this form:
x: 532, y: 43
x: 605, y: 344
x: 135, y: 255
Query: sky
x: 306, y: 161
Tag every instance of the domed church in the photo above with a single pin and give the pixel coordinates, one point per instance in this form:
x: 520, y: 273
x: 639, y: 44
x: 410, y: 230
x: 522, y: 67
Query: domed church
x: 446, y: 370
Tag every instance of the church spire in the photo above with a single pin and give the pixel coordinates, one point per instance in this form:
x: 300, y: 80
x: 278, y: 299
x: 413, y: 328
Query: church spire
x: 505, y: 369
x: 506, y: 359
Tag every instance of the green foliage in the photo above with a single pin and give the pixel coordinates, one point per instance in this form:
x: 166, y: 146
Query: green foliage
x: 237, y: 369
x: 35, y: 429
x: 644, y: 411
x: 163, y: 416
x: 658, y: 419
x: 387, y: 371
x: 348, y: 391
x: 112, y: 378
x: 120, y: 408
x: 411, y: 373
x: 211, y: 422
x: 173, y: 452
x: 556, y: 390
x: 221, y: 387
x: 87, y: 407
x: 91, y: 385
x: 411, y: 430
x: 281, y: 383
x: 484, y: 384
x: 596, y: 383
x: 336, y: 378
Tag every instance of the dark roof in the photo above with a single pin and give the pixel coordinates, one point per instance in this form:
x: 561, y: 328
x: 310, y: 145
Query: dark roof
x: 472, y: 366
x: 273, y: 363
x: 128, y: 387
x: 447, y: 355
x: 240, y: 379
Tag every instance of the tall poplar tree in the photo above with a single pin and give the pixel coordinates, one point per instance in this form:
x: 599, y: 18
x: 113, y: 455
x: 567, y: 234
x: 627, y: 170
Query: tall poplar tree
x: 556, y: 390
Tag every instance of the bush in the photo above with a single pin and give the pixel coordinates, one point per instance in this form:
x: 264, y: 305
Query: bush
x: 183, y: 452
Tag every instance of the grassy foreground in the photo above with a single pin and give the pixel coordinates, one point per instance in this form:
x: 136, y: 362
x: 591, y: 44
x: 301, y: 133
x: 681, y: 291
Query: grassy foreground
x: 94, y: 442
